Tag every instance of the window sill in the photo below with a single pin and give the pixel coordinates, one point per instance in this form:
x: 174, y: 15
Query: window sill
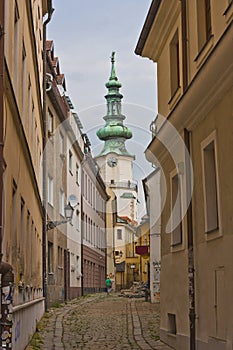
x: 212, y: 235
x: 179, y: 247
x: 228, y: 13
x: 172, y: 335
x: 204, y: 52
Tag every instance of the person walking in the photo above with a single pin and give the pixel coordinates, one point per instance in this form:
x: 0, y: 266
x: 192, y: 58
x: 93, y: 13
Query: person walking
x: 108, y: 284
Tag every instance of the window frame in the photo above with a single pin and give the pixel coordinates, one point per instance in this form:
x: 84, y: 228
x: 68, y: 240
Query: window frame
x: 50, y: 123
x: 208, y: 142
x: 119, y: 237
x: 174, y: 201
x: 62, y: 202
x: 77, y: 174
x: 204, y: 23
x: 70, y: 162
x: 50, y: 190
x: 61, y: 144
x: 174, y: 54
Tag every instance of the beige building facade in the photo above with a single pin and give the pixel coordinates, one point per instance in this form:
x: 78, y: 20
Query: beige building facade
x: 21, y: 173
x: 151, y: 185
x: 57, y: 114
x: 191, y: 42
x: 75, y: 146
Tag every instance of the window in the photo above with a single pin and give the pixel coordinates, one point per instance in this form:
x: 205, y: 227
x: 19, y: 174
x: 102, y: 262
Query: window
x: 50, y: 190
x: 62, y: 148
x: 174, y: 64
x: 14, y: 218
x: 85, y: 186
x: 172, y: 323
x: 89, y: 230
x: 176, y: 216
x: 77, y: 174
x: 29, y: 102
x: 210, y: 184
x: 119, y: 233
x: 23, y: 78
x: 16, y: 12
x: 77, y: 263
x: 204, y: 22
x: 70, y: 161
x: 94, y: 235
x: 50, y: 124
x: 77, y: 220
x: 22, y: 229
x: 50, y: 257
x: 16, y: 43
x: 62, y: 202
x: 33, y: 121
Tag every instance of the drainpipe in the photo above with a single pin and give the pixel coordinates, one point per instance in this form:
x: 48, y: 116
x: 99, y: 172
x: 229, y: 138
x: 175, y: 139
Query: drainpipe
x: 44, y: 160
x: 6, y: 273
x: 2, y: 5
x: 191, y: 266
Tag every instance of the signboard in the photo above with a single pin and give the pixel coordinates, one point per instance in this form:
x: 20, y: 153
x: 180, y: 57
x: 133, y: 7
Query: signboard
x: 142, y: 249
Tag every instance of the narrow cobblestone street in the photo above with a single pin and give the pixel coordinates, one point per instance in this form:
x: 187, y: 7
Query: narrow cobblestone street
x: 100, y: 322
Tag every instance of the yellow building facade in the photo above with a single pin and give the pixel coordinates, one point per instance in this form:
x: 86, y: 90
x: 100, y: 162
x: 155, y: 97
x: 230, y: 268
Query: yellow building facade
x: 21, y: 170
x: 191, y: 42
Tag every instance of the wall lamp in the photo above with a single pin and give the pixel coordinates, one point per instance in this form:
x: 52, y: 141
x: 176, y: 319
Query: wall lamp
x: 69, y: 210
x: 68, y: 215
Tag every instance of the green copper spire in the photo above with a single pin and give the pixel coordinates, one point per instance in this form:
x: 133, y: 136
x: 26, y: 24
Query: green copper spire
x: 114, y: 133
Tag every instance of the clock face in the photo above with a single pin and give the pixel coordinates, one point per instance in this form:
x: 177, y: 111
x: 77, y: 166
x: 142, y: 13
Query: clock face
x: 112, y: 161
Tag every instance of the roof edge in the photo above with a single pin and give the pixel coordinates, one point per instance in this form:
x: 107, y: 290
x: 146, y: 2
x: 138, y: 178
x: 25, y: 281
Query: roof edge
x: 147, y: 26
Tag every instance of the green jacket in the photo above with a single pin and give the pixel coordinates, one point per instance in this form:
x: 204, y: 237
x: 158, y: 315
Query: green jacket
x: 108, y: 282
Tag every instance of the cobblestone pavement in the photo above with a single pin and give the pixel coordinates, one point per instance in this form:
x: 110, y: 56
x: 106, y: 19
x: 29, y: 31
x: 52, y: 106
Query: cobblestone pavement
x: 100, y: 322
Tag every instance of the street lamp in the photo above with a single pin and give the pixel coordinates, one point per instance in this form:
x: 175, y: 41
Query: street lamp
x: 68, y: 215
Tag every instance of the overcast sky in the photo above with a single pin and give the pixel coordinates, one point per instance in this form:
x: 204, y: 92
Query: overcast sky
x: 85, y: 32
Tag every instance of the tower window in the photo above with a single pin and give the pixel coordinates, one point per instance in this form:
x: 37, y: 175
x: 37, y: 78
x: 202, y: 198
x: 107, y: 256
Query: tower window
x: 119, y: 234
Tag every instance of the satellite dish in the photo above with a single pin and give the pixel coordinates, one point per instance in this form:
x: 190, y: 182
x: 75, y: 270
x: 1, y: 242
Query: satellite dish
x: 73, y: 200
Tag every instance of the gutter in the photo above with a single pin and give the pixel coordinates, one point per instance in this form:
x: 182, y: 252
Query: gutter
x: 44, y: 160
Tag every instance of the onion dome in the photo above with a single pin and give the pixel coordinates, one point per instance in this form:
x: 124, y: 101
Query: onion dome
x: 114, y: 133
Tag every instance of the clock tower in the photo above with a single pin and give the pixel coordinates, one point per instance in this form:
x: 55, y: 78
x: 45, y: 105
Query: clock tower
x: 115, y: 162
